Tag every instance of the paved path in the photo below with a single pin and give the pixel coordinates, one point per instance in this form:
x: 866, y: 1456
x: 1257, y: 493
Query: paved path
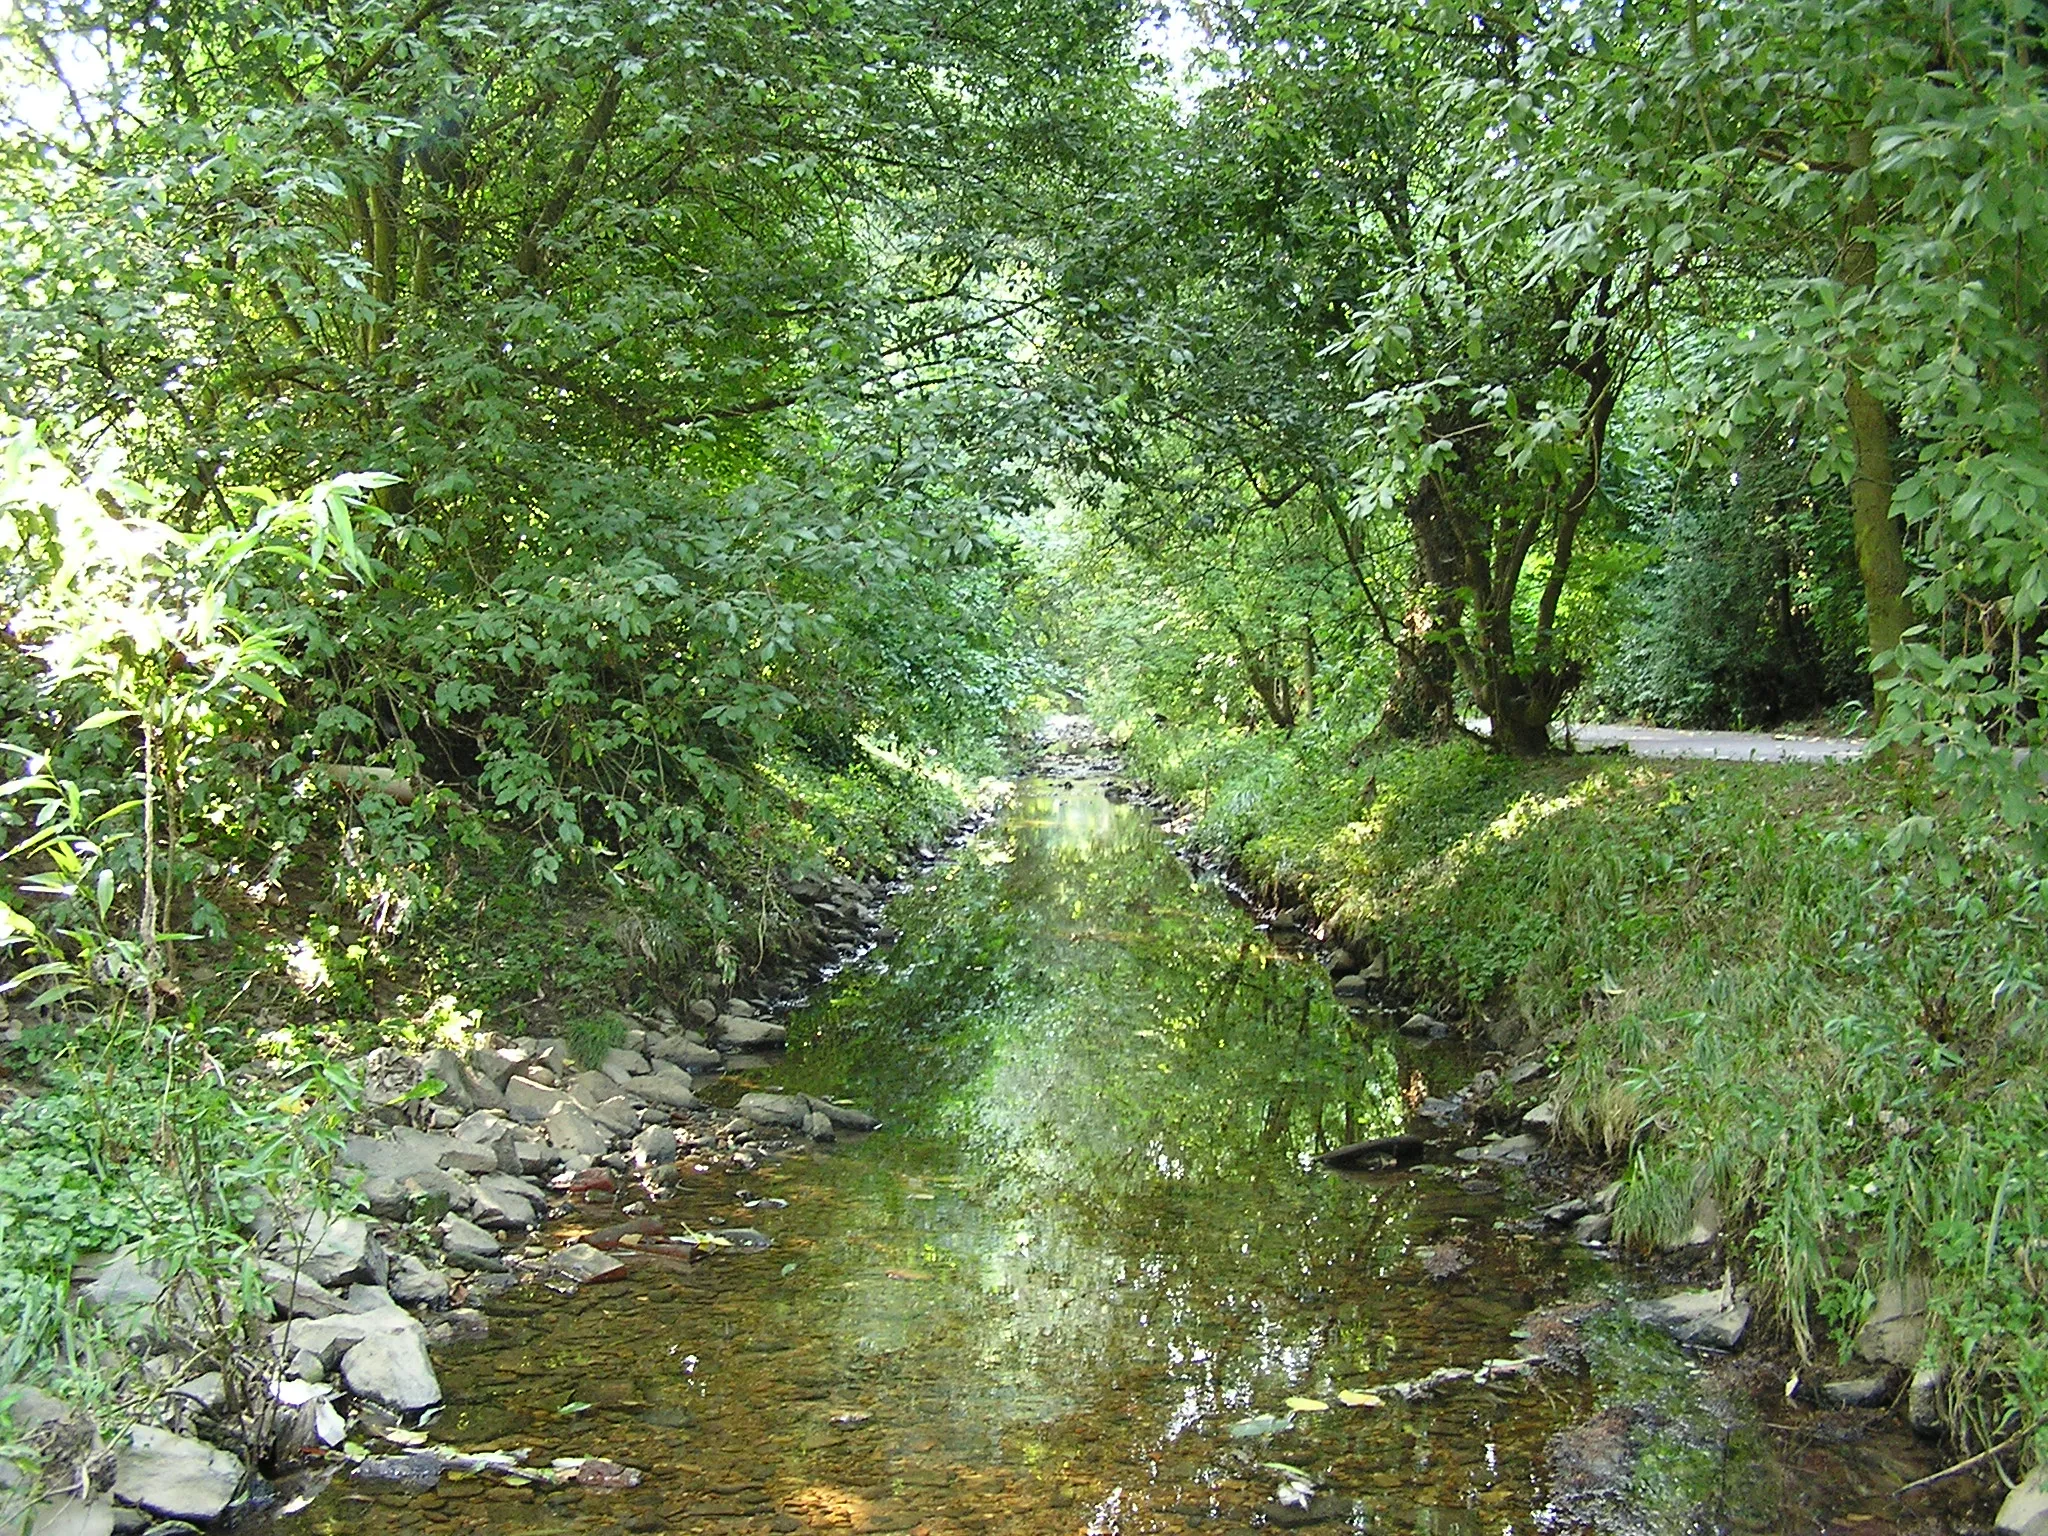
x: 1727, y: 746
x: 1724, y: 746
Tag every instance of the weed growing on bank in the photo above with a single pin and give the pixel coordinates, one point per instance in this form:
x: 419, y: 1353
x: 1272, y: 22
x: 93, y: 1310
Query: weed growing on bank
x: 1812, y: 995
x: 139, y: 1137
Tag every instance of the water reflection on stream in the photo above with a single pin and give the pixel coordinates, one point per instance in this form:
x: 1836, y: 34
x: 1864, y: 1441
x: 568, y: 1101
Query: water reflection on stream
x: 1082, y: 1250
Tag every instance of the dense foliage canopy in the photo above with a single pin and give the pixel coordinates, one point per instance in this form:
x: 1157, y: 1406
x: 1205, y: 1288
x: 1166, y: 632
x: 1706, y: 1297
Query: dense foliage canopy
x: 1439, y: 362
x: 686, y: 341
x: 1656, y: 358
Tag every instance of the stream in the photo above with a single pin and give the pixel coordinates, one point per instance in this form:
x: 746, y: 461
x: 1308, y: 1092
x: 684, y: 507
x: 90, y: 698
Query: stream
x: 1073, y: 1282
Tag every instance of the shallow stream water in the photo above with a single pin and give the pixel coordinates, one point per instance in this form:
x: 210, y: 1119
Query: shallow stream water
x: 1073, y: 1282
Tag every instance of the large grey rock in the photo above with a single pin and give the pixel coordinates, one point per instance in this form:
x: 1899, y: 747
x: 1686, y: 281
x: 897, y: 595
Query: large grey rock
x: 398, y: 1153
x: 1707, y: 1220
x: 333, y: 1249
x: 370, y: 1298
x: 624, y: 1065
x: 703, y: 1010
x: 460, y: 1236
x: 690, y: 1055
x: 486, y: 1128
x: 1352, y: 985
x: 483, y: 1092
x: 1896, y: 1329
x: 29, y: 1409
x: 1927, y: 1400
x: 174, y: 1476
x: 655, y: 1146
x: 819, y: 1127
x: 425, y: 1194
x: 1593, y: 1228
x: 60, y: 1514
x: 390, y: 1366
x: 494, y: 1130
x: 125, y: 1281
x: 1861, y: 1391
x: 499, y: 1207
x: 208, y: 1389
x: 2025, y: 1510
x: 844, y: 1116
x: 468, y: 1157
x: 669, y: 1088
x: 741, y: 1008
x: 572, y: 1131
x: 494, y: 1067
x: 583, y: 1264
x: 297, y: 1295
x: 788, y: 1109
x: 325, y: 1338
x: 617, y: 1117
x: 415, y: 1283
x: 512, y: 1184
x: 590, y: 1089
x: 529, y: 1102
x: 745, y: 1034
x: 1512, y: 1151
x: 1710, y: 1319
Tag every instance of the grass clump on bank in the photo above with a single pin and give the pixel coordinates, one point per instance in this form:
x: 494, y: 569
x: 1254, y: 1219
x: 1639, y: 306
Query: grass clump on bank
x: 1812, y: 995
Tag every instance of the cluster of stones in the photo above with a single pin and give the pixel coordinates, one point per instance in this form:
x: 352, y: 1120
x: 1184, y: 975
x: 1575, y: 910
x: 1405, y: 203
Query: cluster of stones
x: 464, y: 1154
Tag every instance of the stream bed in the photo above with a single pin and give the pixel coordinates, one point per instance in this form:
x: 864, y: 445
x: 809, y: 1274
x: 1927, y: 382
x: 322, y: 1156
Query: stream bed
x: 1074, y: 1281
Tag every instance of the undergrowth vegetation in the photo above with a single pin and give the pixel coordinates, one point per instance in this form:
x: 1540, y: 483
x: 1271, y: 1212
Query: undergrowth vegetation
x: 1797, y: 993
x: 142, y: 1140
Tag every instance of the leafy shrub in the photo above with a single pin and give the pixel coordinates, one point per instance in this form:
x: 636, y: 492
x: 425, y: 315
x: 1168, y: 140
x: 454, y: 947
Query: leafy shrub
x: 139, y: 1135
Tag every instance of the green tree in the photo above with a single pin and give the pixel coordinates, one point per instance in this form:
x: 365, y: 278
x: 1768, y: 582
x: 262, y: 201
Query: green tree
x: 689, y: 338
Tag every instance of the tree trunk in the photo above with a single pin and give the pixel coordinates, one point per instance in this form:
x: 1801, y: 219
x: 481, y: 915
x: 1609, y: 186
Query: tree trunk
x: 1419, y: 704
x: 1521, y: 721
x: 1880, y: 547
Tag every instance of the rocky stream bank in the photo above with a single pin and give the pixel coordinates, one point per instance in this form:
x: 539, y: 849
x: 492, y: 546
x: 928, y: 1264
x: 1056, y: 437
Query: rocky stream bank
x: 471, y: 1172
